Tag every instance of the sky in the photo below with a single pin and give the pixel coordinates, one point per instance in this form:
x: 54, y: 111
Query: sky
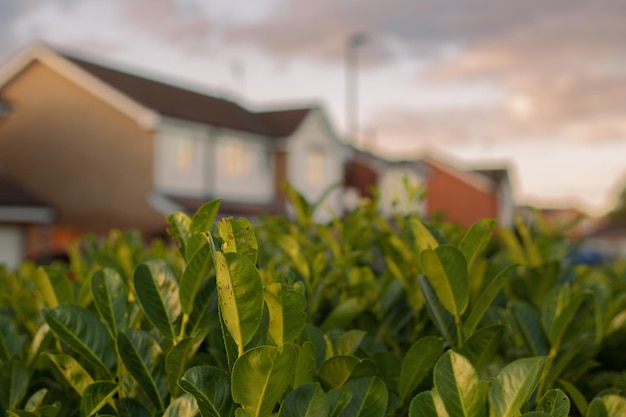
x: 536, y: 84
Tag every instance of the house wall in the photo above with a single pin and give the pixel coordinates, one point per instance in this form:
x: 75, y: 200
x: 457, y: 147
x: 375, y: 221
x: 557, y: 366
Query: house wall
x: 11, y: 246
x: 461, y: 201
x: 315, y: 163
x: 78, y: 154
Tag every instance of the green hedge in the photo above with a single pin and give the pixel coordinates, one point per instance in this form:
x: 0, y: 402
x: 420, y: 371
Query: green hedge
x: 363, y: 316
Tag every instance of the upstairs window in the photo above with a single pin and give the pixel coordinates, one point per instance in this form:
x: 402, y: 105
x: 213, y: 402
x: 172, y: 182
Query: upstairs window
x: 239, y: 158
x: 183, y: 154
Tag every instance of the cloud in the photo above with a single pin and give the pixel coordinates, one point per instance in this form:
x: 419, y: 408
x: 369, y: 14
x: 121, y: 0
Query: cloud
x: 184, y: 23
x: 320, y: 29
x: 568, y: 67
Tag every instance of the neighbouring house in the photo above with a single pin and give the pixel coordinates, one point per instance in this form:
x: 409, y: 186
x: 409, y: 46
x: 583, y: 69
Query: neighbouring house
x: 366, y: 172
x: 108, y: 148
x: 465, y: 196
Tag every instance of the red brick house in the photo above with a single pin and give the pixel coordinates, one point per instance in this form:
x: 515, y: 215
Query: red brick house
x: 465, y: 196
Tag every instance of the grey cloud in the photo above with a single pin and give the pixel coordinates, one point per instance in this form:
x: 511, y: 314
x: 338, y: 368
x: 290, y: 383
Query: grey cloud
x: 319, y: 29
x: 568, y: 67
x: 184, y: 23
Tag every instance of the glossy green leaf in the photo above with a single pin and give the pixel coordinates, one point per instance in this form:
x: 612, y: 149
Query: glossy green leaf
x: 513, y: 386
x: 341, y: 316
x: 615, y: 405
x: 526, y: 319
x: 485, y: 300
x: 417, y: 363
x: 240, y: 294
x: 110, y: 299
x: 442, y: 318
x: 36, y: 400
x: 597, y: 409
x: 143, y: 358
x: 555, y: 403
x: 424, y: 240
x: 238, y: 236
x: 292, y: 248
x: 179, y: 224
x: 196, y: 272
x: 476, y: 239
x: 575, y: 395
x: 245, y: 239
x: 481, y: 348
x: 95, y: 397
x: 459, y: 386
x: 336, y: 371
x: 535, y: 414
x: 157, y: 291
x: 369, y: 398
x: 183, y: 406
x: 176, y: 363
x: 317, y: 337
x: 54, y: 286
x: 389, y: 367
x: 204, y: 316
x: 348, y: 342
x: 260, y: 377
x: 211, y: 388
x: 287, y: 313
x: 422, y: 405
x: 203, y: 219
x: 54, y: 409
x: 72, y: 371
x: 306, y: 365
x: 303, y: 210
x: 13, y: 384
x: 194, y: 243
x: 305, y: 401
x: 338, y: 400
x: 446, y: 269
x: 10, y: 341
x: 85, y: 333
x: 225, y: 232
x: 564, y: 319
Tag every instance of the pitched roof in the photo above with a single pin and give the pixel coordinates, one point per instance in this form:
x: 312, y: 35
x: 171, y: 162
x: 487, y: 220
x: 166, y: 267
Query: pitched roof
x: 283, y: 122
x: 497, y: 175
x: 173, y: 101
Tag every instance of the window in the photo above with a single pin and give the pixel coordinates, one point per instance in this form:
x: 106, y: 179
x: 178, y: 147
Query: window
x: 183, y: 154
x: 315, y: 167
x: 239, y: 158
x: 236, y: 158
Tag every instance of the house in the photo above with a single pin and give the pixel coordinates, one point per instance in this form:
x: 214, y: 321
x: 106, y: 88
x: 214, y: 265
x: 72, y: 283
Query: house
x: 367, y: 173
x: 106, y: 148
x: 465, y: 196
